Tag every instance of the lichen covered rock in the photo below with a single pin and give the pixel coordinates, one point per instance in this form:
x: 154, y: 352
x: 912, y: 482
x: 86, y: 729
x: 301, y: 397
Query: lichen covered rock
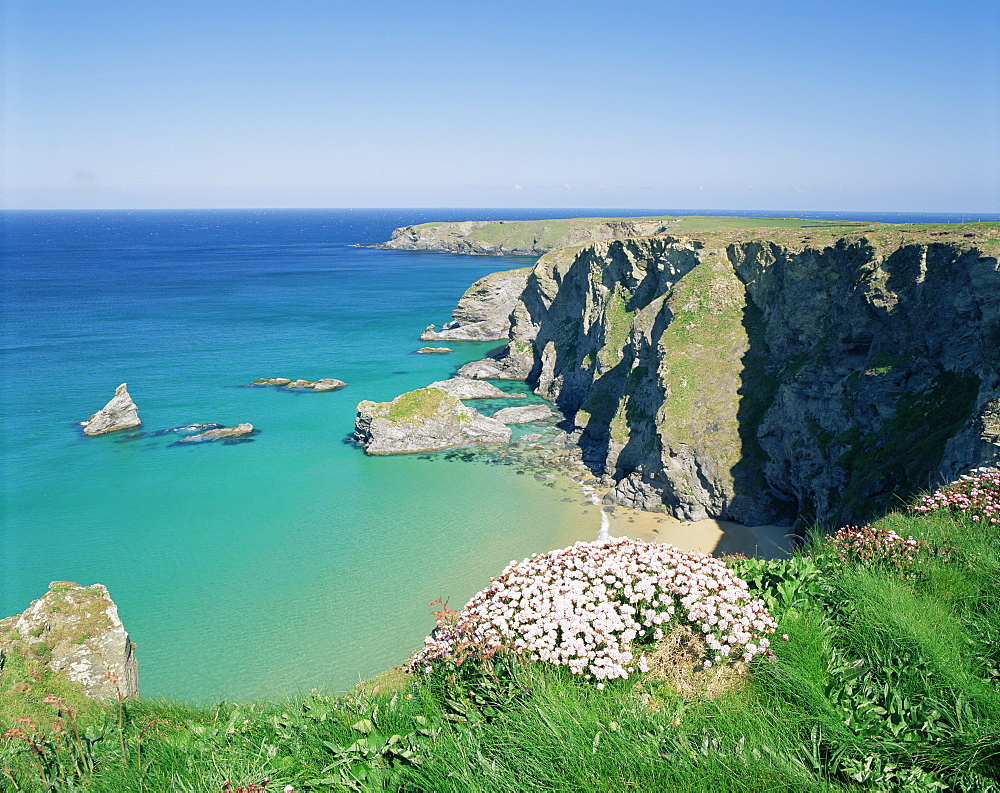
x: 76, y: 631
x: 426, y: 419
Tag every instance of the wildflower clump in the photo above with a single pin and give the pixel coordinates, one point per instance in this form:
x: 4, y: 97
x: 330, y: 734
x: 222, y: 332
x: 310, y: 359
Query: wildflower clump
x: 591, y: 606
x: 869, y: 545
x: 976, y: 495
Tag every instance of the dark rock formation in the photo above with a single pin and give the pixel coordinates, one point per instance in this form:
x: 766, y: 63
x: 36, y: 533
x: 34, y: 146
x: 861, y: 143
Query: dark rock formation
x: 424, y: 420
x: 76, y: 631
x: 120, y: 413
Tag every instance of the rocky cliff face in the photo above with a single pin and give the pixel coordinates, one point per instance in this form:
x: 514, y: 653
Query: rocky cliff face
x: 519, y: 237
x: 76, y: 630
x: 770, y: 376
x: 483, y: 312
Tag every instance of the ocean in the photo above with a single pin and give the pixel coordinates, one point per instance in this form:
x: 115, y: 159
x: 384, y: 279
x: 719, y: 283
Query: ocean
x: 290, y: 562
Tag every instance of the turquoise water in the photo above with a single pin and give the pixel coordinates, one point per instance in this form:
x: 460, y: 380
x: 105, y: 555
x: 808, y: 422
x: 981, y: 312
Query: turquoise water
x: 253, y: 569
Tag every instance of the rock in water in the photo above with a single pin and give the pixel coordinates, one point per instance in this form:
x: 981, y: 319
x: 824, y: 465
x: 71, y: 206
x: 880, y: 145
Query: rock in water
x: 465, y: 388
x: 426, y: 350
x: 328, y: 384
x: 225, y: 432
x: 522, y: 415
x: 76, y: 630
x: 119, y: 414
x: 424, y: 420
x: 483, y: 312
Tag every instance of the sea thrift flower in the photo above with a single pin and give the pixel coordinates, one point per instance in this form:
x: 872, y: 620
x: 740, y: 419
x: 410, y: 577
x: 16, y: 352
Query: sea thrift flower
x: 976, y: 495
x: 591, y: 608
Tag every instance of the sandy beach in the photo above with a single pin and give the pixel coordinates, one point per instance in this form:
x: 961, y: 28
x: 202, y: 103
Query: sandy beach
x: 717, y: 537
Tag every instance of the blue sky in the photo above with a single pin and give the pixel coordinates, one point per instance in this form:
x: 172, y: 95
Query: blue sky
x: 755, y: 104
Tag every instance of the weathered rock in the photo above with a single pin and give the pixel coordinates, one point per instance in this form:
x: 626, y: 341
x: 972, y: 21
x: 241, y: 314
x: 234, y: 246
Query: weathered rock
x: 328, y: 384
x: 523, y: 415
x: 76, y: 631
x: 466, y: 388
x: 424, y: 420
x: 770, y: 375
x: 323, y: 384
x: 427, y: 350
x: 483, y: 312
x: 120, y: 413
x: 224, y: 432
x: 514, y: 362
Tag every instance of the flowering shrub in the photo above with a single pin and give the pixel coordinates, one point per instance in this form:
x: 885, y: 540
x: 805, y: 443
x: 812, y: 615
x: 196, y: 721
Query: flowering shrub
x: 977, y: 496
x: 586, y: 607
x: 869, y: 545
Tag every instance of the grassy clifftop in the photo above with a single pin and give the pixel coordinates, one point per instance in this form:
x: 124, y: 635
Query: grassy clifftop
x: 535, y: 237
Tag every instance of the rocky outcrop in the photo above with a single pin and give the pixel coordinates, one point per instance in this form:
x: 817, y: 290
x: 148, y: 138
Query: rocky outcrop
x: 120, y: 413
x: 523, y: 415
x: 769, y: 376
x: 424, y: 420
x: 218, y: 434
x: 520, y: 237
x: 483, y: 312
x: 323, y: 384
x: 466, y: 388
x: 430, y: 350
x: 75, y: 630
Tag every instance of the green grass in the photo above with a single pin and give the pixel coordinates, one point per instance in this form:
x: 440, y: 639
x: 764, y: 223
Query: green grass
x: 888, y: 682
x: 418, y: 404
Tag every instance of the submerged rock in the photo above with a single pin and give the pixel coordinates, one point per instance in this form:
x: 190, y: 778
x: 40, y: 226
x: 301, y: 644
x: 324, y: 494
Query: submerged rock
x: 423, y: 420
x: 426, y: 350
x: 75, y: 630
x: 224, y: 432
x: 271, y: 381
x: 120, y: 413
x: 323, y: 384
x: 524, y: 414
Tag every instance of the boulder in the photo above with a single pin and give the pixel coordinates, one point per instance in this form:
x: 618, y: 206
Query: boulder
x: 523, y: 414
x: 119, y: 414
x: 224, y: 432
x: 424, y: 420
x: 75, y: 630
x: 435, y: 349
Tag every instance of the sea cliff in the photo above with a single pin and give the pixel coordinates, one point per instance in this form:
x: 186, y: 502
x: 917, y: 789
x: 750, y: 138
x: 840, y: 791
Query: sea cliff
x: 769, y: 375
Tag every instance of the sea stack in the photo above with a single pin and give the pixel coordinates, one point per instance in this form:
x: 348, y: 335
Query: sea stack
x: 120, y: 413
